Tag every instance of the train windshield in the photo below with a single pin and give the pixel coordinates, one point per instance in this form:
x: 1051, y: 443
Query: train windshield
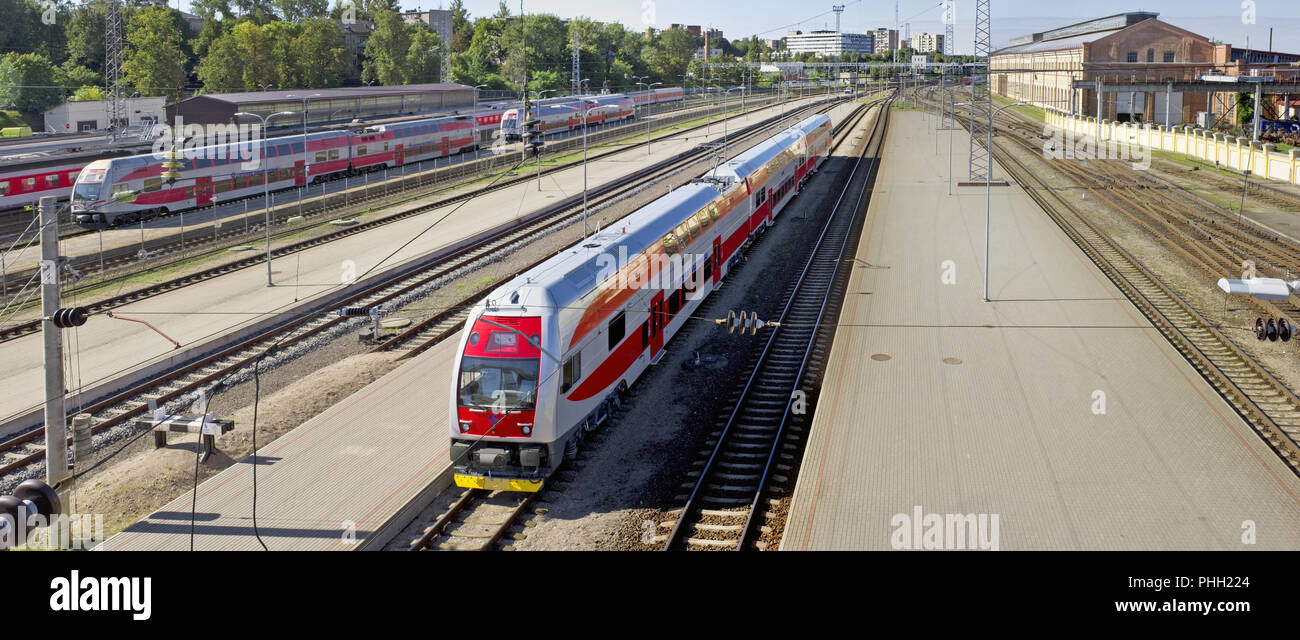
x: 508, y: 121
x: 498, y: 384
x: 88, y: 185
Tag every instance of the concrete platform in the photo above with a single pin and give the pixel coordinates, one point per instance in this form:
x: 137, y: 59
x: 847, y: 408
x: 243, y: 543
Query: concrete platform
x: 350, y: 468
x: 936, y: 402
x: 107, y: 348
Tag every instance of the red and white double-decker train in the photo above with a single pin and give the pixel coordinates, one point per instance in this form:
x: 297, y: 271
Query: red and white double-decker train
x: 567, y: 114
x: 219, y: 173
x: 543, y: 358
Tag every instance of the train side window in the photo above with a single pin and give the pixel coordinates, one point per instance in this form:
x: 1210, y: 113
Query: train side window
x: 385, y: 146
x: 713, y: 212
x: 334, y: 154
x: 645, y: 334
x: 255, y: 180
x: 683, y: 235
x: 29, y: 184
x: 617, y: 329
x: 152, y: 184
x: 221, y: 186
x: 189, y: 192
x: 320, y: 156
x: 572, y: 371
x: 674, y: 303
x: 693, y: 224
x: 52, y: 180
x: 4, y: 188
x: 670, y: 244
x: 361, y: 150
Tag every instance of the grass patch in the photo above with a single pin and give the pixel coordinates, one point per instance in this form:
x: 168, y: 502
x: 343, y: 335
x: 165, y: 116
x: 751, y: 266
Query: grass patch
x: 11, y: 118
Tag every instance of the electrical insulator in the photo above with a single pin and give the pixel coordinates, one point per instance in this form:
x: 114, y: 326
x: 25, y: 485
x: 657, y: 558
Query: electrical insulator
x: 1259, y: 329
x: 71, y: 317
x: 1284, y: 329
x: 171, y: 166
x: 30, y: 498
x: 354, y: 312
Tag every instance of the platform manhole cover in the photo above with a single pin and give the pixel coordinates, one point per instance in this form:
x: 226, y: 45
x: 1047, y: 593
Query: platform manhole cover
x: 952, y: 360
x: 880, y: 357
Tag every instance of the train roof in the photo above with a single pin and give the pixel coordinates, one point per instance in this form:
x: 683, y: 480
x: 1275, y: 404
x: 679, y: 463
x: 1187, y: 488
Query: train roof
x: 755, y: 157
x: 567, y: 276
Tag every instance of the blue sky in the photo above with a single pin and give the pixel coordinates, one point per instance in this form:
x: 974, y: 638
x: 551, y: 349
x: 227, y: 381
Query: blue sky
x: 1218, y: 19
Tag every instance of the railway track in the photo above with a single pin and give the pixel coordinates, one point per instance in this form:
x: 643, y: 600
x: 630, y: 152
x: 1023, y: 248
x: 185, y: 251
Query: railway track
x: 220, y: 363
x: 1208, y: 239
x: 363, y: 192
x: 754, y: 452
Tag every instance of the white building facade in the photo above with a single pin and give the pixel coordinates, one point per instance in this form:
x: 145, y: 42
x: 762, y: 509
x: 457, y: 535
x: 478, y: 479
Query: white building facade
x: 829, y: 43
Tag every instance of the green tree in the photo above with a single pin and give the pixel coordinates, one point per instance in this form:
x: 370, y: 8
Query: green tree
x: 84, y: 32
x: 386, y: 49
x: 424, y: 55
x: 156, y: 58
x: 222, y: 67
x: 282, y: 38
x: 259, y: 11
x: 73, y: 75
x: 254, y: 50
x: 462, y: 30
x: 27, y: 82
x: 87, y: 93
x: 301, y: 10
x: 321, y: 61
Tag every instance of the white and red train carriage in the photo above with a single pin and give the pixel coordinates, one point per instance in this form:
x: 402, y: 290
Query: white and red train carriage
x: 219, y: 173
x: 544, y: 358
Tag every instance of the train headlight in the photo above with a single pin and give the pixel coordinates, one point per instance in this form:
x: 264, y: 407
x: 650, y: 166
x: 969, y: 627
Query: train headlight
x: 465, y: 425
x: 526, y: 428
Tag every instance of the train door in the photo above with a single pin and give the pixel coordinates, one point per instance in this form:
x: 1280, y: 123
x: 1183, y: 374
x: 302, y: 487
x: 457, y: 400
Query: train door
x: 716, y: 258
x: 299, y: 172
x: 656, y: 327
x: 444, y: 146
x: 400, y: 154
x: 202, y: 191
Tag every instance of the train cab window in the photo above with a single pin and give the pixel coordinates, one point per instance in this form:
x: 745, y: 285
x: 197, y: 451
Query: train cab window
x: 320, y: 156
x: 52, y: 180
x: 334, y: 154
x: 152, y: 184
x: 617, y: 329
x: 670, y: 244
x: 4, y: 188
x: 361, y: 150
x: 572, y: 372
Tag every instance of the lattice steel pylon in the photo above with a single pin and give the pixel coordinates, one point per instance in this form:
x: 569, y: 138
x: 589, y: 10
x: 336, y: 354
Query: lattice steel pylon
x: 947, y: 97
x: 981, y: 120
x: 577, y: 69
x: 113, y: 104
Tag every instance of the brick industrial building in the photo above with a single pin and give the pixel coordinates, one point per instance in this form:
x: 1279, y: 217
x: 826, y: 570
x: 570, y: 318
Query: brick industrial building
x: 1132, y: 48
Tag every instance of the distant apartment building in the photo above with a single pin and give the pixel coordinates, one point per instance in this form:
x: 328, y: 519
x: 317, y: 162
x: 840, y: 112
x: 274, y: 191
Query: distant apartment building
x: 829, y: 43
x: 439, y: 21
x: 693, y: 28
x: 927, y: 43
x: 355, y: 35
x: 884, y: 40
